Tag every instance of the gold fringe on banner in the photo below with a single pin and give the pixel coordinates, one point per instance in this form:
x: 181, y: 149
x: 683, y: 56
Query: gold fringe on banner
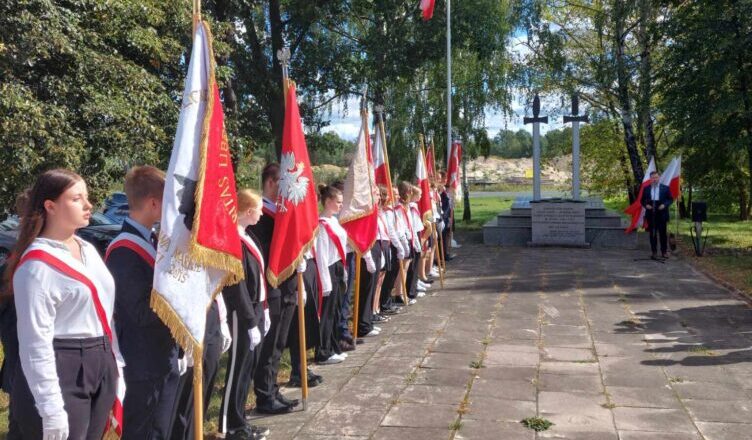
x: 276, y: 280
x: 200, y: 254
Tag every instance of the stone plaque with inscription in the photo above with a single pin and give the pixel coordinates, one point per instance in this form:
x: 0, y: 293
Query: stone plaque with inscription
x: 558, y: 223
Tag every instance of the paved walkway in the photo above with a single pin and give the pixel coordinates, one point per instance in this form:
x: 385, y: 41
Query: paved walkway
x: 602, y: 346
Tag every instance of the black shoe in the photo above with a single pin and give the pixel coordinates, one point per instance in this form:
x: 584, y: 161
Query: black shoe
x: 348, y: 339
x: 379, y: 318
x: 292, y: 403
x: 449, y: 257
x: 273, y: 407
x: 260, y: 430
x: 664, y: 256
x: 314, y: 378
x: 427, y: 281
x: 295, y: 382
x: 391, y: 310
x: 245, y: 433
x: 346, y: 346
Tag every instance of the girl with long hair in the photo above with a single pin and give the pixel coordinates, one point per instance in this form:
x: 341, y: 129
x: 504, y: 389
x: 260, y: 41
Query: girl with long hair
x: 64, y: 297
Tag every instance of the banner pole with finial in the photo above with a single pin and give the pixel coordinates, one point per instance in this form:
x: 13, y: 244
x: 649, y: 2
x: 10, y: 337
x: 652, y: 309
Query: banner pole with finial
x: 283, y: 55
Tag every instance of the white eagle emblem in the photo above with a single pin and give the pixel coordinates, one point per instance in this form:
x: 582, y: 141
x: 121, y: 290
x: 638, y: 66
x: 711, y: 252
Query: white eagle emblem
x: 292, y: 186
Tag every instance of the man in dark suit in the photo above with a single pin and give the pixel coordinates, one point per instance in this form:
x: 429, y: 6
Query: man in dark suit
x: 149, y: 351
x: 656, y: 199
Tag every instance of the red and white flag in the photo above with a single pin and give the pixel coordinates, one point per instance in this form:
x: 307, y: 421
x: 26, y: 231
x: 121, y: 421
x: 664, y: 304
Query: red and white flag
x: 671, y: 177
x: 430, y: 161
x: 359, y: 215
x: 453, y: 168
x: 426, y: 6
x: 424, y: 204
x: 381, y: 161
x: 199, y: 249
x: 297, y: 218
x: 635, y: 210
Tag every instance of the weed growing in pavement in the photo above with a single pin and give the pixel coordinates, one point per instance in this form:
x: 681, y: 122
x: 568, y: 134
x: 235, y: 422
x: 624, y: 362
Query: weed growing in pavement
x: 537, y: 424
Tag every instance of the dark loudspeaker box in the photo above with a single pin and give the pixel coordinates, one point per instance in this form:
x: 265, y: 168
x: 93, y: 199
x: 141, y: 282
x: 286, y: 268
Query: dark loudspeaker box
x: 699, y: 212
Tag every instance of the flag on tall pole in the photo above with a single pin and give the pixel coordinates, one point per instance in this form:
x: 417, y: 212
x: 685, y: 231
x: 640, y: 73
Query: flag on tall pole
x: 297, y: 217
x: 671, y: 177
x: 199, y: 249
x: 382, y: 173
x: 421, y: 175
x: 635, y: 210
x: 431, y: 160
x: 453, y: 167
x: 427, y: 6
x: 359, y: 214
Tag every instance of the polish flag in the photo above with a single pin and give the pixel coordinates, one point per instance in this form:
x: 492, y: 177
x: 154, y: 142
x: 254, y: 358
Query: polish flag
x: 424, y: 204
x: 671, y: 177
x: 427, y: 7
x: 635, y: 209
x: 430, y: 161
x: 453, y: 167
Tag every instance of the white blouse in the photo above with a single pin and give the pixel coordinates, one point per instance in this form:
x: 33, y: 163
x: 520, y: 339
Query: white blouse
x: 326, y: 250
x: 52, y: 305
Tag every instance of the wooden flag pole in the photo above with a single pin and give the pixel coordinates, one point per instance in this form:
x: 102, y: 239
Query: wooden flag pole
x: 356, y: 299
x: 198, y: 352
x: 302, y: 339
x: 439, y: 254
x: 198, y: 392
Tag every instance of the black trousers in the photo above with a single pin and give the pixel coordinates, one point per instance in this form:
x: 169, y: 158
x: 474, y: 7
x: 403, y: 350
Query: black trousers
x: 657, y: 228
x: 88, y: 377
x: 241, y: 364
x: 368, y: 283
x: 149, y: 407
x: 312, y: 325
x: 391, y: 277
x: 183, y: 423
x: 412, y: 276
x: 330, y: 314
x: 281, y: 312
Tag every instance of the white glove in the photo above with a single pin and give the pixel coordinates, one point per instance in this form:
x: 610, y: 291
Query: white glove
x: 305, y: 297
x: 267, y: 321
x: 55, y: 427
x: 400, y: 253
x: 302, y: 266
x: 255, y: 335
x: 182, y: 365
x: 326, y: 293
x: 370, y: 265
x: 226, y: 337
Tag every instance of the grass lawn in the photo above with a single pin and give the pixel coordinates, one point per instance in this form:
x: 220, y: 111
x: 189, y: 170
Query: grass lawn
x: 482, y: 209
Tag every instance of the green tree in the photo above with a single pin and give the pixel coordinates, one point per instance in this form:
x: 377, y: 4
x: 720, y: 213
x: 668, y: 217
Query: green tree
x: 87, y: 85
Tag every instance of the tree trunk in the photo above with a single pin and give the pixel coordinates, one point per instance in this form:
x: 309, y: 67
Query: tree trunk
x: 623, y: 93
x: 646, y: 77
x: 277, y: 99
x: 743, y: 206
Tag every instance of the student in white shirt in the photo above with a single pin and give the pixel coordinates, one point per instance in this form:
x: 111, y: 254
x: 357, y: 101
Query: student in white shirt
x: 64, y: 297
x: 394, y: 251
x: 331, y: 245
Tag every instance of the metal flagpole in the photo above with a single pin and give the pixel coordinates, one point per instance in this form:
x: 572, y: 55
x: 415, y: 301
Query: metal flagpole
x: 449, y: 78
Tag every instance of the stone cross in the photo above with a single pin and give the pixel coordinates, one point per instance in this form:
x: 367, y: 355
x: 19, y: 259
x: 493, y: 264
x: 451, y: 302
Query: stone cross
x: 536, y: 120
x: 575, y: 119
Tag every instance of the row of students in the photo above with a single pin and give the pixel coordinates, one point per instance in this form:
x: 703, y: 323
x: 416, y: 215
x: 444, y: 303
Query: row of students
x: 77, y: 314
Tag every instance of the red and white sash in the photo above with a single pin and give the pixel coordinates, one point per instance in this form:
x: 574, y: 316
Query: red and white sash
x: 134, y: 242
x: 402, y: 210
x: 254, y: 250
x: 335, y: 239
x: 116, y: 417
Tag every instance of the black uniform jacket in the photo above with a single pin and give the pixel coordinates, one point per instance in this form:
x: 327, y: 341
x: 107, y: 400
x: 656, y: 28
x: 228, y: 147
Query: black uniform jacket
x: 147, y: 346
x: 243, y: 297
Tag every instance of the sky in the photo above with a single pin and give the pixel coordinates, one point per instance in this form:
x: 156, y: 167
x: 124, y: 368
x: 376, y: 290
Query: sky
x: 347, y: 125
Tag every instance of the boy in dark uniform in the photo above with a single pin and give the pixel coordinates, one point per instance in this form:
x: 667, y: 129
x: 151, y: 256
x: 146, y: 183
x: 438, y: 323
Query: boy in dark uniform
x: 150, y: 352
x: 281, y: 302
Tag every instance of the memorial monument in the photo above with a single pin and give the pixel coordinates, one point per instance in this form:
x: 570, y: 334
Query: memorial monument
x: 573, y: 222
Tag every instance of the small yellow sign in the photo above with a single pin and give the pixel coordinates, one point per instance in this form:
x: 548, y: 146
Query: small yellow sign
x: 529, y: 173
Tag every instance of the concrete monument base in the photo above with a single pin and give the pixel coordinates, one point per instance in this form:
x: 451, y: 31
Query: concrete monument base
x: 602, y: 228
